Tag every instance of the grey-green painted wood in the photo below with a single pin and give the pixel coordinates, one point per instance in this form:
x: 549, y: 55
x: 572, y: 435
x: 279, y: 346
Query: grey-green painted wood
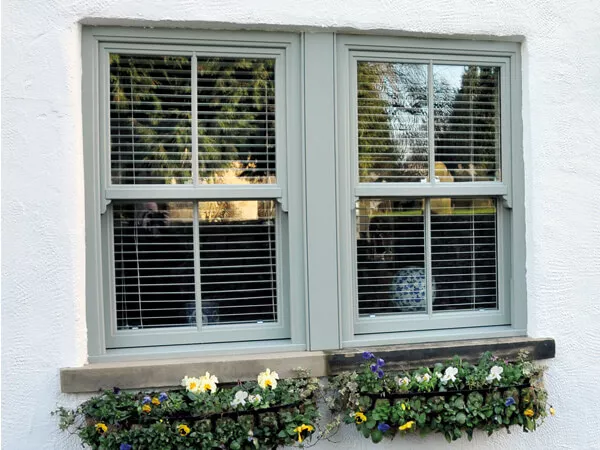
x: 352, y: 48
x: 321, y: 223
x: 316, y: 190
x: 101, y: 315
x: 93, y: 198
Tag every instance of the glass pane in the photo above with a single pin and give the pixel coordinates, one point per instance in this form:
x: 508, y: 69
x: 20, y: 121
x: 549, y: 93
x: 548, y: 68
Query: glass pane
x: 467, y: 123
x: 238, y: 273
x: 154, y: 264
x: 236, y: 120
x: 150, y: 119
x: 390, y: 238
x: 392, y: 122
x: 463, y: 253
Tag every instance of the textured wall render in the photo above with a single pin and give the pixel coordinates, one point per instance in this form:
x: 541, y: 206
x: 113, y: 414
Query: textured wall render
x: 43, y: 320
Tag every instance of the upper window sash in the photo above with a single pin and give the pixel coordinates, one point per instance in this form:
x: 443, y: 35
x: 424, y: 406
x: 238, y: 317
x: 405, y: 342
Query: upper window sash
x: 194, y: 186
x: 352, y: 50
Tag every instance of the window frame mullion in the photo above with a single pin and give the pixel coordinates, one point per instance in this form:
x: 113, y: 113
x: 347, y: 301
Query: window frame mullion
x: 194, y: 118
x: 431, y: 123
x: 428, y: 259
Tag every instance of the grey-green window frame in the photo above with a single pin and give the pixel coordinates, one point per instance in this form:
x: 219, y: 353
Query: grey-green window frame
x: 511, y: 315
x: 318, y: 184
x: 285, y: 49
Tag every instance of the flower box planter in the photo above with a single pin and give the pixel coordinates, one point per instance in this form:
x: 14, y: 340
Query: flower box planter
x: 244, y: 416
x: 454, y: 399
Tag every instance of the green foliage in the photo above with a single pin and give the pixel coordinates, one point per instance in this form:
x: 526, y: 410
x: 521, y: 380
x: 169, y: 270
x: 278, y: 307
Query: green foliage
x: 454, y: 399
x: 182, y: 420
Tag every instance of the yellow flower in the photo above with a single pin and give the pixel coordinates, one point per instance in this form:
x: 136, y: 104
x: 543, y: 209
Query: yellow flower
x: 403, y: 406
x: 552, y: 411
x: 101, y: 428
x: 301, y: 428
x: 268, y: 379
x: 529, y: 412
x: 146, y: 408
x: 155, y: 401
x: 407, y: 425
x: 360, y: 417
x: 183, y: 430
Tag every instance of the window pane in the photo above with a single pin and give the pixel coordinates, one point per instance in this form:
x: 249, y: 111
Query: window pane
x: 236, y: 120
x: 238, y: 272
x: 392, y: 122
x: 150, y: 119
x: 463, y: 253
x: 391, y: 256
x: 154, y: 264
x: 155, y: 283
x: 467, y: 122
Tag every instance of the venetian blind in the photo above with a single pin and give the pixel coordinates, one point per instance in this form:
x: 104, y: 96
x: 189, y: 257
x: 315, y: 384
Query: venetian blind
x: 198, y: 121
x: 398, y: 141
x: 169, y: 255
x: 403, y: 252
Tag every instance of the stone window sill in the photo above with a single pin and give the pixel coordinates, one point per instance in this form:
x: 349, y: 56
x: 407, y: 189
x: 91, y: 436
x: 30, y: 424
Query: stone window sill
x: 168, y: 373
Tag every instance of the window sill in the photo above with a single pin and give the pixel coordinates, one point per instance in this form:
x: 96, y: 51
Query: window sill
x: 169, y: 372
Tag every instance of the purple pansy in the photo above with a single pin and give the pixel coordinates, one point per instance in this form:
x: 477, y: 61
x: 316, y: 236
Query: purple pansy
x: 380, y: 362
x: 380, y: 373
x: 367, y: 355
x: 163, y: 396
x: 146, y: 400
x: 509, y: 401
x: 116, y: 390
x: 125, y: 447
x: 374, y: 368
x: 383, y: 427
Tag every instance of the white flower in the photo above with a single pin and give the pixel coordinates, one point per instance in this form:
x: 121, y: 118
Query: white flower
x: 403, y: 381
x: 239, y: 399
x: 268, y: 379
x: 449, y: 374
x: 208, y: 382
x: 192, y: 384
x: 255, y: 399
x: 423, y: 378
x: 438, y: 375
x: 495, y: 372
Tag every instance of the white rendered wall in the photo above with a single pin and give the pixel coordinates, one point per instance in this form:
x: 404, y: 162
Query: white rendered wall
x: 43, y: 315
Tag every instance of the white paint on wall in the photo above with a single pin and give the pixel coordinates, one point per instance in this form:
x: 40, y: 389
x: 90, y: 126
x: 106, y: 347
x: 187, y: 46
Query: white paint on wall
x: 43, y: 304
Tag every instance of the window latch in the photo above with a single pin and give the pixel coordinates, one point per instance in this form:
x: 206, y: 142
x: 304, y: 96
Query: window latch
x: 283, y: 204
x: 507, y: 200
x: 104, y: 205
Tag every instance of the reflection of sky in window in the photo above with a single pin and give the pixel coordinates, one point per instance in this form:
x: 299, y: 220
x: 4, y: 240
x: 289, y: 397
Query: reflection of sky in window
x: 405, y: 91
x: 451, y: 75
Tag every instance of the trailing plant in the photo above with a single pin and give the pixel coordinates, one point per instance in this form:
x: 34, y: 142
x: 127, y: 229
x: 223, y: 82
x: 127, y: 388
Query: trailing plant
x: 262, y: 414
x: 454, y: 399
